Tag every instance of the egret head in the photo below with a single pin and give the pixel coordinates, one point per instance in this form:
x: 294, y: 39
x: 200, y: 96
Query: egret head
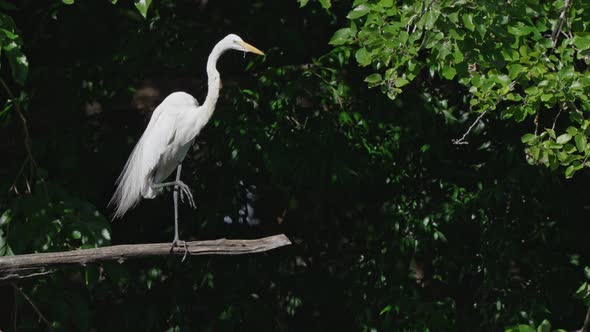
x: 236, y: 43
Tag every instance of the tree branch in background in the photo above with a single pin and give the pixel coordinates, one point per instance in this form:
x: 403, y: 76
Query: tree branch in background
x: 26, y: 297
x: 557, y: 115
x: 14, y: 267
x: 27, y: 139
x: 462, y: 139
x: 559, y: 26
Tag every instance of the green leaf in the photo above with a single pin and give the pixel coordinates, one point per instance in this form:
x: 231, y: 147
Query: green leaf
x: 363, y: 57
x: 9, y: 34
x: 341, y: 37
x: 326, y: 4
x: 430, y: 19
x: 544, y: 327
x: 358, y: 11
x: 386, y: 309
x: 458, y: 56
x: 551, y: 132
x: 582, y: 291
x: 18, y: 62
x: 582, y: 41
x: 439, y: 236
x: 143, y: 6
x: 546, y: 96
x: 514, y: 70
x: 504, y: 80
x: 569, y: 172
x: 572, y: 131
x: 449, y: 72
x: 303, y: 3
x: 373, y: 78
x: 522, y: 328
x: 68, y: 2
x: 581, y: 141
x: 510, y: 54
x: 76, y: 235
x: 453, y: 17
x: 526, y: 138
x: 535, y: 152
x: 114, y: 2
x: 468, y: 21
x: 400, y: 81
x: 563, y: 138
x: 520, y: 30
x: 345, y: 118
x: 386, y: 3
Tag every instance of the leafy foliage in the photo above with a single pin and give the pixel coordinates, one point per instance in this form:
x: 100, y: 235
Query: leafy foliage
x: 545, y: 326
x: 519, y: 59
x: 11, y: 46
x: 141, y: 5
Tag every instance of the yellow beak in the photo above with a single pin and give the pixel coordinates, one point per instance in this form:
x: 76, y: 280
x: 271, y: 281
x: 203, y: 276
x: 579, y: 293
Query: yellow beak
x: 251, y: 48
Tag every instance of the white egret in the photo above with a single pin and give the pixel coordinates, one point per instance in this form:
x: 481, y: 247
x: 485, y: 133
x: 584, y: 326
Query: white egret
x: 171, y: 131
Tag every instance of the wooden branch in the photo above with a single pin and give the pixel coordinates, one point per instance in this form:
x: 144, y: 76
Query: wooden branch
x: 17, y: 267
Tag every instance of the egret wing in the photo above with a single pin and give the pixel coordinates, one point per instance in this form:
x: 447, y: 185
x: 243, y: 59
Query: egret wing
x: 134, y: 181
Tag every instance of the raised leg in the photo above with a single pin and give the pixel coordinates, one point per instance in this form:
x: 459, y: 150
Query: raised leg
x: 184, y: 189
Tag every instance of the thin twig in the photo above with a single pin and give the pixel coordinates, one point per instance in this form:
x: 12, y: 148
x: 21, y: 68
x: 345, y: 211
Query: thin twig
x: 559, y: 26
x: 26, y: 297
x: 334, y: 91
x: 27, y: 140
x: 462, y: 139
x: 25, y: 276
x: 557, y: 116
x: 20, y: 171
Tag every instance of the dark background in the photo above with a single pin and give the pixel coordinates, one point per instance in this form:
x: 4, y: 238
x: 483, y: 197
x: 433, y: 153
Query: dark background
x: 393, y: 227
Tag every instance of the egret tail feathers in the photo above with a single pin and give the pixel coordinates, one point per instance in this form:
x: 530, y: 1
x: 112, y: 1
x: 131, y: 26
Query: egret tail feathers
x: 130, y: 183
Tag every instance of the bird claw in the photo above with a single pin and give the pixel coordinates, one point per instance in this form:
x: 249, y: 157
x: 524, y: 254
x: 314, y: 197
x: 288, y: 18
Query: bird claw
x: 181, y: 195
x: 177, y: 243
x: 185, y: 190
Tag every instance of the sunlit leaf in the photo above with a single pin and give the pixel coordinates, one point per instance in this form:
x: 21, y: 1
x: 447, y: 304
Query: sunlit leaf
x: 358, y: 11
x: 143, y: 6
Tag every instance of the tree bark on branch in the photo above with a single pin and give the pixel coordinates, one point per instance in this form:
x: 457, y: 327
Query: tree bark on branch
x: 22, y: 266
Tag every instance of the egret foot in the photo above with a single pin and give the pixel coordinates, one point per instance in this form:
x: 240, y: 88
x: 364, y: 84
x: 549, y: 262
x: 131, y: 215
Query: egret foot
x: 185, y: 190
x: 178, y: 243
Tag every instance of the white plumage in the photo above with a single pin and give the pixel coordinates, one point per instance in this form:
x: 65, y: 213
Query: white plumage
x: 170, y: 133
x: 162, y: 147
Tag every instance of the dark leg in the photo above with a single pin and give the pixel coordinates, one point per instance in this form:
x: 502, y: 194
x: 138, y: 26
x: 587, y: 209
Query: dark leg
x: 175, y: 195
x: 176, y: 240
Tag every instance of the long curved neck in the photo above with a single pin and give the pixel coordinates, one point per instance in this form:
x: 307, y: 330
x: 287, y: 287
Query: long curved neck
x: 214, y: 81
